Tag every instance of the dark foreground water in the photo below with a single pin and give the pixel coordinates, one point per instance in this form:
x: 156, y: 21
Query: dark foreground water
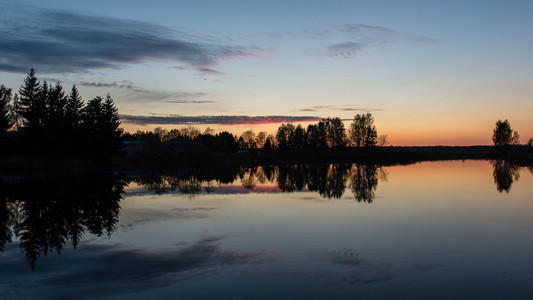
x: 432, y: 230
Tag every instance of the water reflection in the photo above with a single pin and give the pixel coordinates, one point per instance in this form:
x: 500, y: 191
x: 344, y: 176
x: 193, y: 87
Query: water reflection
x: 330, y: 181
x: 364, y: 182
x: 46, y: 214
x: 505, y: 174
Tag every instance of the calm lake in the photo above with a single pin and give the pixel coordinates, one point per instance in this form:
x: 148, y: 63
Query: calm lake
x: 449, y: 230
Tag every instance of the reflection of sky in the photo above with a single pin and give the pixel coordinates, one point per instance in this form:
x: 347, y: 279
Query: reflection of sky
x: 437, y: 230
x: 217, y: 189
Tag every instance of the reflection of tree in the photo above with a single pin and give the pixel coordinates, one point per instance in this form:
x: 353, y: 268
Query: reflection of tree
x: 364, y: 181
x: 187, y: 185
x: 248, y: 178
x: 6, y: 219
x: 504, y: 175
x: 291, y: 178
x: 47, y: 214
x: 329, y: 181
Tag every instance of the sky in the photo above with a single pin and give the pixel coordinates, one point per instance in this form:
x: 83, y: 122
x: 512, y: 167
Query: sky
x: 430, y: 72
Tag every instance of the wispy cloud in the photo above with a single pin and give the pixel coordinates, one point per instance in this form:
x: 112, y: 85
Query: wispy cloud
x: 148, y: 94
x: 221, y: 120
x: 182, y: 101
x: 346, y: 41
x: 63, y: 41
x: 337, y: 108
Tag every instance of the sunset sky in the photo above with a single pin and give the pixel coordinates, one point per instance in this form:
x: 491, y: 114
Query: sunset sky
x: 431, y: 72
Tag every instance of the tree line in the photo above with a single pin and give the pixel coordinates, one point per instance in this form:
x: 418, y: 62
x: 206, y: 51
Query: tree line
x: 42, y: 120
x: 328, y: 133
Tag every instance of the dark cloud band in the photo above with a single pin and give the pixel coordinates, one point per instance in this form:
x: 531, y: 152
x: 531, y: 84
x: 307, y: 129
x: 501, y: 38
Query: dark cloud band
x: 69, y: 42
x: 221, y: 120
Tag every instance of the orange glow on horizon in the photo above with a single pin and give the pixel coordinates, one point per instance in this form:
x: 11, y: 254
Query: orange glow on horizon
x: 398, y: 134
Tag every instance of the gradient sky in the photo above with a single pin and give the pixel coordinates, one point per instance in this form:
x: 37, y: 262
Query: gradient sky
x: 431, y: 72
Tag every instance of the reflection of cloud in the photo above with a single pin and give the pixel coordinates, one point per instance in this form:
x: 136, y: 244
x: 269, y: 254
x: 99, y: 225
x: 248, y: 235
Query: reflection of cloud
x: 351, y: 268
x: 222, y: 120
x: 64, y: 41
x: 104, y: 269
x: 137, y: 218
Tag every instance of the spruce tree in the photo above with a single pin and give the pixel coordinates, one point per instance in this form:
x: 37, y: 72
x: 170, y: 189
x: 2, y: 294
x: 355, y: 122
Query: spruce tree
x: 110, y: 126
x: 31, y: 107
x: 5, y: 117
x: 73, y: 134
x: 91, y: 116
x: 55, y: 107
x: 73, y: 109
x: 28, y: 104
x: 57, y: 142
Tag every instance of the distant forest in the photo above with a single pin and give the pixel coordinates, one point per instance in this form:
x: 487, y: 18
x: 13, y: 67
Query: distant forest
x: 327, y: 134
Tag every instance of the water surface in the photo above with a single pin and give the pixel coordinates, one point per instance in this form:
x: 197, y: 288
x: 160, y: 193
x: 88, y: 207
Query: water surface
x: 455, y: 229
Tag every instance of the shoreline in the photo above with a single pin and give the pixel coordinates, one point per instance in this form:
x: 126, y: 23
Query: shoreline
x: 392, y: 155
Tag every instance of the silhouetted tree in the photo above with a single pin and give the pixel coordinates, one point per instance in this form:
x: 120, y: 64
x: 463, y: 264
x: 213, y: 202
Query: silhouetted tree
x: 316, y: 135
x: 284, y: 136
x: 503, y: 135
x: 101, y: 127
x: 5, y: 117
x: 336, y: 134
x: 298, y: 138
x: 190, y: 132
x: 270, y: 143
x: 248, y: 140
x: 31, y: 107
x: 382, y: 140
x: 55, y: 100
x: 111, y: 123
x: 225, y: 141
x: 362, y: 131
x: 92, y: 127
x: 57, y: 141
x: 260, y: 139
x: 73, y: 109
